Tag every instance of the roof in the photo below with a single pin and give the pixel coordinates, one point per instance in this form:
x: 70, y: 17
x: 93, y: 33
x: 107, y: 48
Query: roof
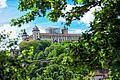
x: 35, y: 28
x: 24, y: 33
x: 104, y: 74
x: 60, y: 35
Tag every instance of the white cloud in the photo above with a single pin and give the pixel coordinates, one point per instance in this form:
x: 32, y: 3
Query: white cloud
x: 16, y: 30
x: 7, y: 28
x: 42, y: 30
x: 3, y: 3
x: 68, y: 8
x: 89, y: 16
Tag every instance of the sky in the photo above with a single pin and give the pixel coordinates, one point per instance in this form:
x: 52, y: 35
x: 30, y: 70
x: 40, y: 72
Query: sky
x: 8, y: 10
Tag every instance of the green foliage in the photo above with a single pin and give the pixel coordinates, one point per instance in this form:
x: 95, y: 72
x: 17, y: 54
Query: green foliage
x: 13, y: 67
x: 99, y: 48
x: 27, y: 44
x: 55, y: 7
x: 36, y: 44
x: 79, y: 1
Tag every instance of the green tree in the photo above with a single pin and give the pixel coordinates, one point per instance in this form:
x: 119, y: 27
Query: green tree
x: 36, y: 44
x: 17, y: 67
x: 99, y: 48
x: 55, y: 56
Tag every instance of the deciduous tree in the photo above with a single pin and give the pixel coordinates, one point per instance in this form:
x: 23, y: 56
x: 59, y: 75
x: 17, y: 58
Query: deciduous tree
x: 99, y: 48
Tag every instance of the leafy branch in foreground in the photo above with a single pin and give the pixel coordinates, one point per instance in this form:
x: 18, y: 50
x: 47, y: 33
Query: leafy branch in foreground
x: 53, y: 10
x: 99, y: 48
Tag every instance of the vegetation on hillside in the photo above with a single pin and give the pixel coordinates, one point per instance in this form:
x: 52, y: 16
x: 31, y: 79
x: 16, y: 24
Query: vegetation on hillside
x: 99, y: 49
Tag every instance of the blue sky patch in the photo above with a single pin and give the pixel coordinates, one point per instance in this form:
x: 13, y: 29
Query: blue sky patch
x: 8, y: 10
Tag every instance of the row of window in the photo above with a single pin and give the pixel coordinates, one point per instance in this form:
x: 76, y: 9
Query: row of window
x: 59, y: 37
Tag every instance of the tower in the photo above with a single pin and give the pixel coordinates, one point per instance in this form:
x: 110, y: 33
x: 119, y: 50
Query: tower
x: 36, y: 33
x: 53, y: 30
x: 65, y: 30
x: 24, y: 35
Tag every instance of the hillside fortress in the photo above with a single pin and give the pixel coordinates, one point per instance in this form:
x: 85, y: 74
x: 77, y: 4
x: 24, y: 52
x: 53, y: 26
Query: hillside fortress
x: 53, y: 34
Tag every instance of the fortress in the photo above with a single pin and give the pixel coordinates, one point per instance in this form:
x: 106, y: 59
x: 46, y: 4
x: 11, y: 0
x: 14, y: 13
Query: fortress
x: 53, y: 34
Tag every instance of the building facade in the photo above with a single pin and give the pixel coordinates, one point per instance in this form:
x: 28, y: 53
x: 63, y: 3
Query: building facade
x: 53, y: 34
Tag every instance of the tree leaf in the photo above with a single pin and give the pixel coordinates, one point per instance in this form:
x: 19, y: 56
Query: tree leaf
x: 79, y: 1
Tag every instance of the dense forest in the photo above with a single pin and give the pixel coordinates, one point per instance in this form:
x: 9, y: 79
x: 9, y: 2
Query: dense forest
x: 99, y: 48
x: 38, y: 60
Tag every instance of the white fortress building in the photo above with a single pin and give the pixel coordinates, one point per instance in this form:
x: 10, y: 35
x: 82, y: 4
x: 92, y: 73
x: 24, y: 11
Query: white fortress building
x: 53, y: 34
